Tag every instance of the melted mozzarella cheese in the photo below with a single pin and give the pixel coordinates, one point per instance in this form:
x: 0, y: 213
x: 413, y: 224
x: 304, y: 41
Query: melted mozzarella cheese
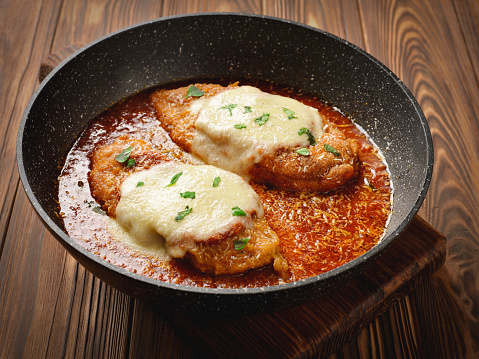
x: 149, y: 206
x: 237, y: 127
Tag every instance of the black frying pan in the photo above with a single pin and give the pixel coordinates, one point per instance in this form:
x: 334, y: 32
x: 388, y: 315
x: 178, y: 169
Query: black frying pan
x: 232, y: 46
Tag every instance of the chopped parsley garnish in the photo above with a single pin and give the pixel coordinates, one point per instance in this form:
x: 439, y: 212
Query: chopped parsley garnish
x: 240, y: 243
x: 98, y: 210
x: 369, y: 184
x: 123, y: 155
x: 303, y: 151
x: 229, y: 107
x: 239, y: 126
x: 216, y: 181
x: 130, y: 162
x: 247, y: 109
x: 331, y: 149
x: 311, y: 139
x: 238, y: 211
x: 194, y: 92
x: 289, y: 113
x: 139, y: 184
x: 174, y: 179
x: 261, y: 120
x: 182, y: 214
x: 188, y: 194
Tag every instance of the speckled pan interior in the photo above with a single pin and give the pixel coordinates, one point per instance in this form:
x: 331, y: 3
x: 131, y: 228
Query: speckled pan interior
x: 212, y: 46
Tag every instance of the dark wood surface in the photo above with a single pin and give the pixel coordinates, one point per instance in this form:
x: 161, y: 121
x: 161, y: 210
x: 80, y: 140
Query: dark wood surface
x: 51, y: 307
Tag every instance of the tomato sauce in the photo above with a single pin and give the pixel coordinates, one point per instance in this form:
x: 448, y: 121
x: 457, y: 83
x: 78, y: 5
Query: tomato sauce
x: 318, y: 232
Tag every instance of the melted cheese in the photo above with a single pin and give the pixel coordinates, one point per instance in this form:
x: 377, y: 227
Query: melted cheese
x: 148, y: 211
x: 153, y: 246
x: 218, y: 142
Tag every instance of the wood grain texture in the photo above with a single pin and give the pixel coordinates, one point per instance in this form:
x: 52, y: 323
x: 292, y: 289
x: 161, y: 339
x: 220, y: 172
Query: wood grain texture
x: 51, y: 307
x: 467, y: 12
x: 25, y: 33
x: 30, y: 302
x: 391, y: 335
x: 153, y: 336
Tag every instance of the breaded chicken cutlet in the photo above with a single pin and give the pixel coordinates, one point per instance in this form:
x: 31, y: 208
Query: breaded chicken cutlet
x: 218, y: 254
x: 330, y: 160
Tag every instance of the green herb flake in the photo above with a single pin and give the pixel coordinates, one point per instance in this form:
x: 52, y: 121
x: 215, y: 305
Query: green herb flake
x: 188, y: 194
x: 369, y: 184
x: 123, y: 155
x: 194, y: 91
x: 311, y: 138
x: 262, y: 119
x: 303, y: 151
x: 247, y: 109
x: 98, y: 210
x: 289, y: 113
x: 139, y: 184
x: 238, y: 211
x: 240, y: 243
x: 216, y: 181
x: 130, y: 162
x: 331, y: 149
x: 182, y: 214
x: 174, y: 179
x: 229, y: 107
x: 240, y: 126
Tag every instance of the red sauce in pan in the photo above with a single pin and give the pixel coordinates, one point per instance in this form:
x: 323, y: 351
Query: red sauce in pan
x: 318, y: 232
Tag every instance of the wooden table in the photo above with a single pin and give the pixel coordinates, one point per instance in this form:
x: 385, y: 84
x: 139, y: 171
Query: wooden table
x: 52, y: 307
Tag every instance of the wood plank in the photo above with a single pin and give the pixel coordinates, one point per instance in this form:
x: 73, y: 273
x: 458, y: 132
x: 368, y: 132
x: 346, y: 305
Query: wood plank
x: 153, y: 336
x: 172, y: 7
x: 26, y: 30
x: 468, y: 17
x: 91, y: 319
x: 391, y: 335
x: 30, y: 277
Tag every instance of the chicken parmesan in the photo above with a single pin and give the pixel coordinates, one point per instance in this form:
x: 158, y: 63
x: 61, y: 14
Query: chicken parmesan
x: 268, y: 138
x: 225, y: 185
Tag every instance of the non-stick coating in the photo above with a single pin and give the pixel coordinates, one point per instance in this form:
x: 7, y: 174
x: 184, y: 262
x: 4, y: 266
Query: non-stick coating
x: 214, y: 46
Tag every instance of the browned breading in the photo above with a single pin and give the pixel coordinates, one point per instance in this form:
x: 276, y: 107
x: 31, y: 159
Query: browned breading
x: 173, y: 109
x: 221, y: 257
x: 321, y: 171
x: 107, y: 173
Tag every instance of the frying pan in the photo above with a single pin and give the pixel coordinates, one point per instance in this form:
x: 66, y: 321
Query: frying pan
x: 215, y: 45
